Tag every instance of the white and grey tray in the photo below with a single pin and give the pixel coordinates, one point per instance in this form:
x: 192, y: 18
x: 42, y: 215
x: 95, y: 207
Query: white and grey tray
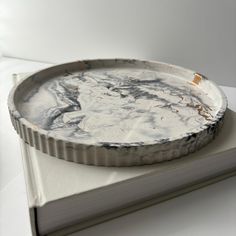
x: 117, y: 112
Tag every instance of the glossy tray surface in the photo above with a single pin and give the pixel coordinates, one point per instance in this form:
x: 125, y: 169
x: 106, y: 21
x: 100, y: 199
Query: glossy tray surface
x: 117, y: 112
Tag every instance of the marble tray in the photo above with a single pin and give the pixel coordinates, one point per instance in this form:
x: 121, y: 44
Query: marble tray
x: 117, y: 112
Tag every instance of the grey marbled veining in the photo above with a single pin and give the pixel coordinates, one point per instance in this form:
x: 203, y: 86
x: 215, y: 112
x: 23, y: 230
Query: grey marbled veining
x: 118, y: 105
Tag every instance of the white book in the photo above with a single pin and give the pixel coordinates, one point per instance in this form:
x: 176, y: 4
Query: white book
x: 65, y: 197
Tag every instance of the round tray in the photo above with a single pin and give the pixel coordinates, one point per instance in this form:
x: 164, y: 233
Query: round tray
x: 117, y: 112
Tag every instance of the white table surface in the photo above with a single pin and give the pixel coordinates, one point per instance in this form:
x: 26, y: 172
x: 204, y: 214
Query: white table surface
x: 208, y: 211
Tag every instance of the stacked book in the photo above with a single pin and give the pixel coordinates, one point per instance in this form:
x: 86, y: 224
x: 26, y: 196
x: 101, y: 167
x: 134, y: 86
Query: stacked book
x: 65, y: 197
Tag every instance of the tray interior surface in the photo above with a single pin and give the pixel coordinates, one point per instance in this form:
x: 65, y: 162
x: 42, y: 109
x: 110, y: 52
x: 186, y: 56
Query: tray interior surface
x: 117, y: 102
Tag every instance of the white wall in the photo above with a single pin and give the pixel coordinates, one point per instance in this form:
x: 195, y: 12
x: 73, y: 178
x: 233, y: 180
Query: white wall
x: 199, y: 34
